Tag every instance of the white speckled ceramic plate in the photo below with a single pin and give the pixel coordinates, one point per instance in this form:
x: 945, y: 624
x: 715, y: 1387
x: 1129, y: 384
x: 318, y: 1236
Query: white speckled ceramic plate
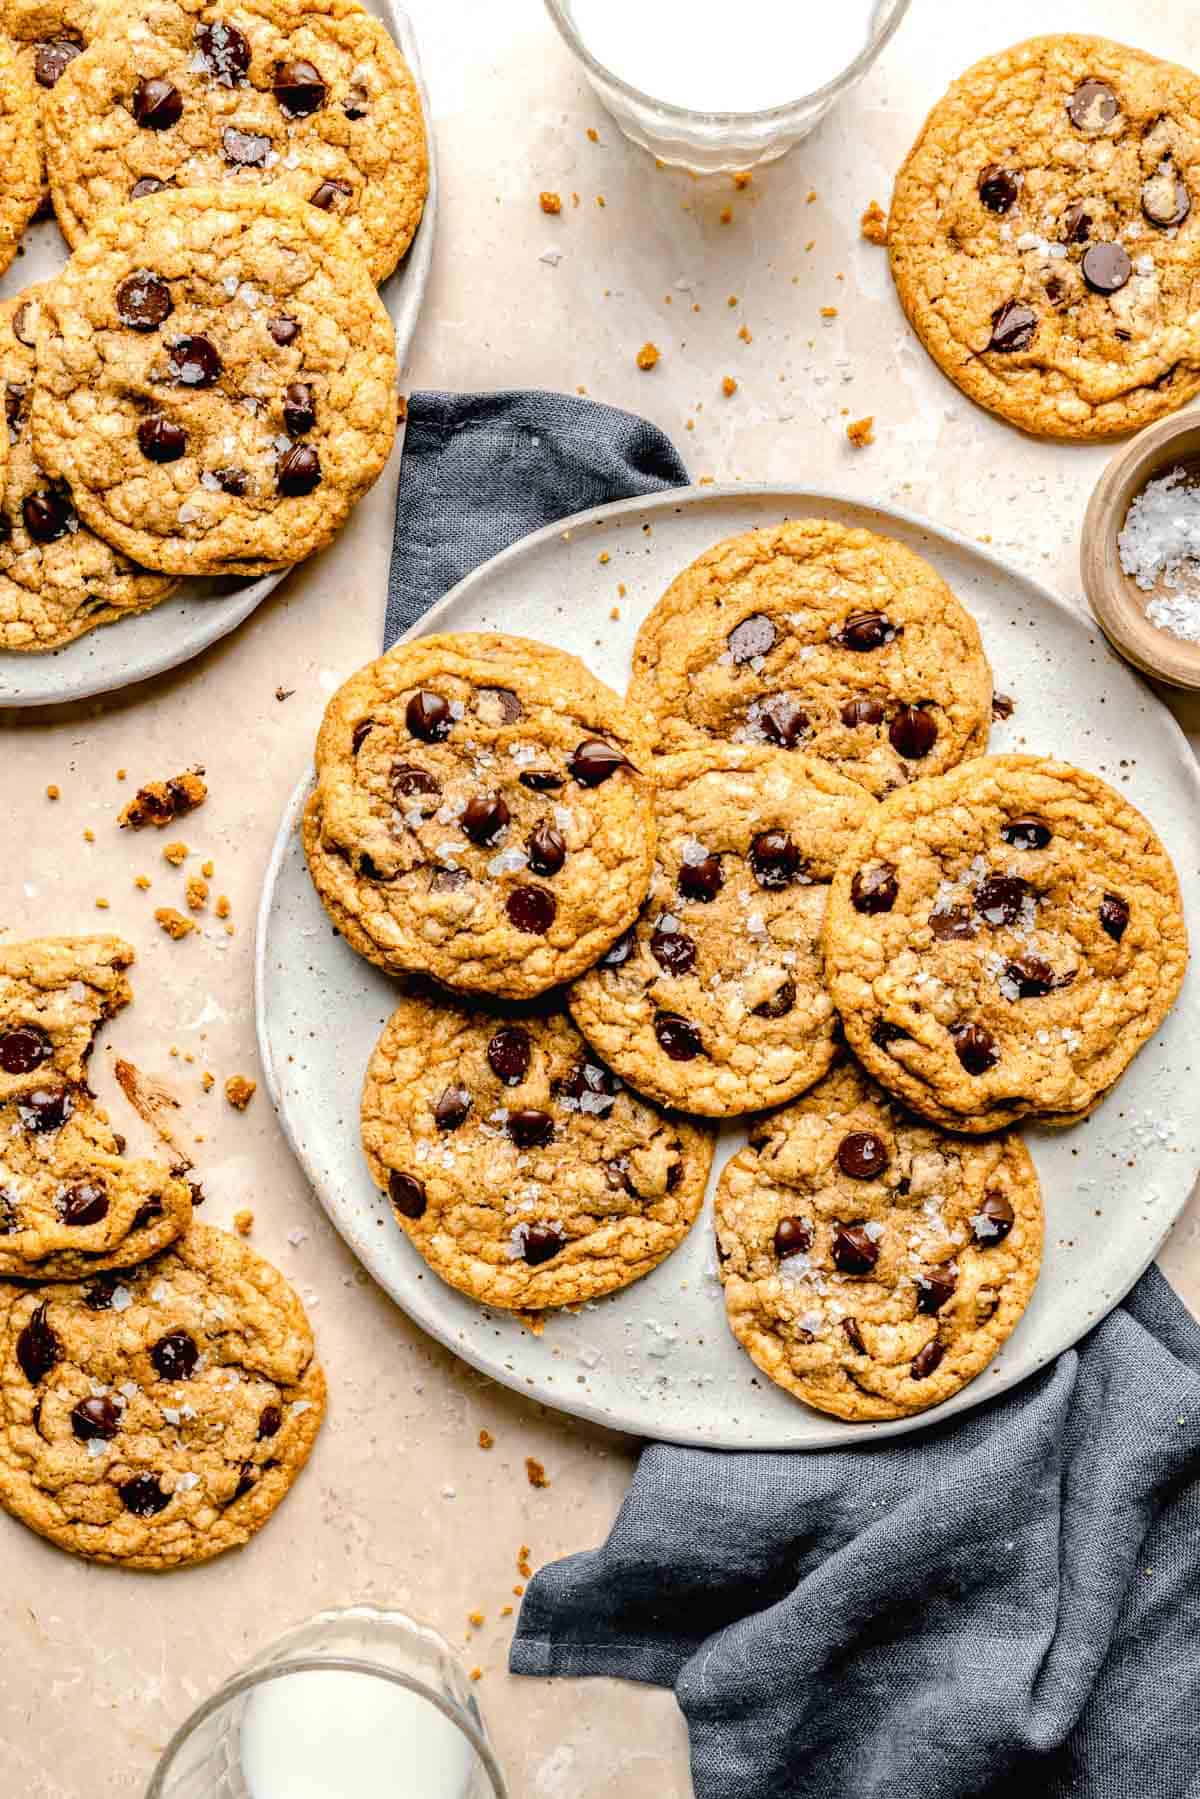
x: 658, y: 1359
x: 200, y: 612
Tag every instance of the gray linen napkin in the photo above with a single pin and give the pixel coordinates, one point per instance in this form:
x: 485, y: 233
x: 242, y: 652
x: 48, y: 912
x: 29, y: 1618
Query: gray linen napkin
x: 1006, y: 1605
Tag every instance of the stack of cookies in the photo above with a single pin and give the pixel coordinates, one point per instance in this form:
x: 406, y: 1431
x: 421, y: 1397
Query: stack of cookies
x: 782, y: 874
x: 159, y: 1388
x: 209, y: 387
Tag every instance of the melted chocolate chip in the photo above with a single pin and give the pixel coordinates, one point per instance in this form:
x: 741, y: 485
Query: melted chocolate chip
x: 935, y: 1287
x: 874, y: 889
x: 1014, y: 326
x: 618, y: 953
x: 407, y: 1195
x: 1114, y: 916
x: 1032, y: 976
x: 1000, y: 898
x: 546, y: 850
x: 283, y: 329
x: 862, y: 1155
x: 247, y: 1481
x: 677, y: 1038
x: 232, y: 480
x: 594, y: 761
x: 361, y: 732
x: 160, y: 439
x: 48, y: 516
x: 299, y: 408
x: 428, y: 716
x: 147, y: 1214
x: 485, y: 819
x: 1166, y: 202
x: 52, y: 57
x: 883, y: 1034
x: 24, y: 323
x: 1092, y: 107
x: 783, y: 721
x: 23, y: 1049
x: 409, y: 779
x: 701, y: 880
x: 96, y: 1420
x: 529, y: 1128
x: 194, y: 361
x: 244, y: 149
x: 998, y: 188
x: 531, y: 909
x: 175, y: 1355
x: 1003, y: 705
x: 224, y: 51
x: 673, y: 950
x: 99, y: 1297
x: 502, y: 703
x: 14, y: 407
x: 143, y: 301
x: 862, y: 712
x: 1026, y: 833
x: 865, y: 631
x: 793, y: 1237
x: 84, y: 1203
x: 1106, y: 267
x: 587, y: 1088
x: 854, y: 1249
x: 452, y: 1108
x: 541, y: 780
x: 540, y: 1243
x: 298, y: 471
x: 953, y: 924
x: 753, y: 637
x: 993, y: 1221
x: 144, y: 185
x: 1076, y: 224
x: 45, y: 1109
x: 327, y: 195
x: 157, y: 104
x: 927, y: 1359
x: 854, y: 1335
x: 509, y: 1054
x: 780, y: 1002
x: 143, y: 1496
x: 38, y: 1349
x: 913, y: 732
x: 298, y: 87
x: 448, y: 880
x: 270, y: 1419
x: 975, y: 1047
x: 774, y: 860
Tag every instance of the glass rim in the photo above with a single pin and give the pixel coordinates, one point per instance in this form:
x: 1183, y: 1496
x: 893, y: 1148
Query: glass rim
x: 895, y: 11
x: 249, y: 1678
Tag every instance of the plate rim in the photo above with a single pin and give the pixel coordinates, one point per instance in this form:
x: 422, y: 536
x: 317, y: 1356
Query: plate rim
x: 977, y: 1392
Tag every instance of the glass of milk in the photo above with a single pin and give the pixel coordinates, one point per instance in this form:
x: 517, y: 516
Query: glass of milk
x: 717, y: 86
x: 355, y: 1704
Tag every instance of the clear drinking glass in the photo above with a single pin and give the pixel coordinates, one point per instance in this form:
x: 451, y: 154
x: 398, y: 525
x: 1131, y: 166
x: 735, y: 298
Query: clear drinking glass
x: 713, y: 143
x: 372, y: 1695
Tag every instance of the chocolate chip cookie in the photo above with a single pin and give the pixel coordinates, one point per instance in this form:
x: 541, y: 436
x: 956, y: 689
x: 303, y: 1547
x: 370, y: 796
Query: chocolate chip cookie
x: 57, y: 578
x: 715, y: 1000
x: 480, y: 814
x: 157, y: 1417
x: 47, y: 35
x: 20, y: 154
x: 1002, y: 941
x: 216, y: 380
x: 810, y: 635
x: 516, y: 1163
x: 872, y: 1265
x: 1045, y: 236
x: 314, y: 100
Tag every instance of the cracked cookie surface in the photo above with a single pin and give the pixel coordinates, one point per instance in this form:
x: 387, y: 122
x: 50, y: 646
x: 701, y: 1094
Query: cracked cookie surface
x: 20, y: 152
x: 215, y: 380
x: 522, y: 1170
x: 57, y: 578
x: 1002, y: 941
x: 1045, y: 236
x: 715, y: 1000
x: 158, y: 1416
x: 314, y: 100
x: 873, y: 1265
x: 480, y: 814
x: 814, y: 636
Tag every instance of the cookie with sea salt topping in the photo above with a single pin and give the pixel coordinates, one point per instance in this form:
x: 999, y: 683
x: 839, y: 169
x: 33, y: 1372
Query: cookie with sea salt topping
x: 1002, y: 941
x: 47, y: 35
x: 158, y: 1416
x: 519, y: 1166
x: 313, y: 100
x: 481, y: 814
x: 715, y: 1000
x: 817, y: 637
x: 216, y: 380
x: 21, y: 191
x: 1045, y: 236
x: 873, y: 1265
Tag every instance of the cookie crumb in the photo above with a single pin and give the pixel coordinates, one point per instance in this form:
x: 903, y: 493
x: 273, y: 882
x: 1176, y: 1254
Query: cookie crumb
x: 102, y: 905
x: 476, y: 1674
x: 810, y: 196
x: 729, y: 387
x: 861, y: 432
x: 53, y: 792
x: 535, y: 1472
x: 742, y: 178
x: 142, y: 883
x: 158, y: 802
x: 614, y: 612
x: 285, y: 693
x: 243, y: 1223
x: 206, y: 869
x: 523, y: 1566
x: 874, y: 224
x: 604, y: 558
x: 593, y: 135
x: 745, y: 335
x: 726, y: 215
x: 621, y: 590
x: 829, y: 312
x: 733, y: 300
x: 175, y: 853
x: 486, y: 1440
x: 401, y: 413
x: 222, y: 905
x: 648, y: 356
x: 551, y: 203
x: 600, y: 200
x: 122, y: 774
x: 173, y: 923
x: 506, y: 1611
x: 239, y: 1091
x: 89, y: 836
x: 208, y: 1081
x: 476, y: 1620
x: 197, y: 894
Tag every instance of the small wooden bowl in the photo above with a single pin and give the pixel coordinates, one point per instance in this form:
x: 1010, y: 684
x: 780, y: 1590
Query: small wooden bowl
x: 1118, y: 603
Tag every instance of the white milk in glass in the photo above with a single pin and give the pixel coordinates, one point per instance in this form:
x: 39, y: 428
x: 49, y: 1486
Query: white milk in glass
x: 332, y: 1734
x: 711, y: 56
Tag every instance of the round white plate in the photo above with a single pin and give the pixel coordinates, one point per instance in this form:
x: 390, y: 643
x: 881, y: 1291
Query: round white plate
x: 658, y: 1358
x: 201, y: 611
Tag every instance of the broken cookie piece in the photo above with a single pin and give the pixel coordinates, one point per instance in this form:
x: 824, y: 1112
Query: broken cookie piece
x: 159, y: 802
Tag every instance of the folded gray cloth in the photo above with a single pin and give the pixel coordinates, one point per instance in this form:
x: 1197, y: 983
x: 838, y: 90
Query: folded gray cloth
x: 1006, y: 1605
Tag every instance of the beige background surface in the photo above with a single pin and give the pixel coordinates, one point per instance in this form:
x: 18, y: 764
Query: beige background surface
x: 399, y: 1503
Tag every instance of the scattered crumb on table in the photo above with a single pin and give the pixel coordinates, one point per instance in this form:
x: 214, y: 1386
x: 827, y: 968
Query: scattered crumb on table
x: 142, y: 882
x: 53, y: 792
x: 239, y: 1091
x: 173, y: 923
x: 829, y: 312
x: 243, y: 1223
x: 874, y: 224
x: 175, y: 853
x: 729, y: 387
x: 551, y: 203
x: 486, y: 1440
x: 861, y: 432
x: 647, y: 356
x: 158, y: 802
x: 535, y: 1473
x: 197, y: 894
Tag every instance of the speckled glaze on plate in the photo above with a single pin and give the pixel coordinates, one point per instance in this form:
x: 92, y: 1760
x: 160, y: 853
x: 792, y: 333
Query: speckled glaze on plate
x: 202, y: 611
x: 658, y: 1360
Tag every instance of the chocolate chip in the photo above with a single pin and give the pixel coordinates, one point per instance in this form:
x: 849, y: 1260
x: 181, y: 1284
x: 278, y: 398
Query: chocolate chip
x: 408, y: 778
x: 99, y: 1297
x: 157, y: 104
x: 247, y: 1481
x: 774, y: 859
x: 52, y: 57
x: 998, y: 188
x: 194, y: 361
x: 1000, y: 899
x: 540, y: 780
x: 269, y: 1421
x: 327, y: 195
x: 224, y: 51
x: 244, y: 149
x: 874, y: 889
x: 485, y: 818
x: 783, y: 721
x: 935, y: 1287
x: 24, y: 1048
x: 48, y: 516
x: 355, y: 104
x: 701, y: 880
x: 1076, y: 224
x: 1026, y: 833
x: 362, y: 731
x: 160, y: 439
x: 175, y: 1355
x: 1165, y: 199
x: 854, y: 1335
x: 780, y: 1002
x: 1033, y: 977
x: 502, y: 703
x: 883, y: 1034
x: 587, y: 1087
x: 143, y: 1496
x: 1114, y: 916
x: 283, y: 329
x: 975, y: 1047
x: 546, y: 850
x: 15, y: 393
x: 1106, y: 267
x: 38, y: 1349
x: 509, y: 1054
x: 862, y: 1155
x: 84, y: 1203
x: 793, y: 1237
x: 952, y: 924
x: 299, y: 408
x: 97, y: 1419
x: 753, y: 637
x: 531, y: 909
x: 865, y: 631
x: 1014, y: 326
x: 448, y: 880
x: 145, y: 185
x: 298, y: 471
x: 927, y: 1359
x: 855, y: 1251
x: 618, y: 953
x: 913, y: 732
x: 1092, y: 107
x: 143, y: 301
x: 24, y: 323
x: 594, y: 761
x: 540, y: 1243
x: 407, y: 1195
x: 232, y: 480
x: 677, y: 1038
x: 298, y: 87
x: 862, y: 712
x: 1003, y: 705
x: 147, y: 1214
x: 452, y: 1108
x: 993, y: 1221
x: 673, y: 950
x: 428, y: 716
x: 45, y: 1109
x: 529, y: 1128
